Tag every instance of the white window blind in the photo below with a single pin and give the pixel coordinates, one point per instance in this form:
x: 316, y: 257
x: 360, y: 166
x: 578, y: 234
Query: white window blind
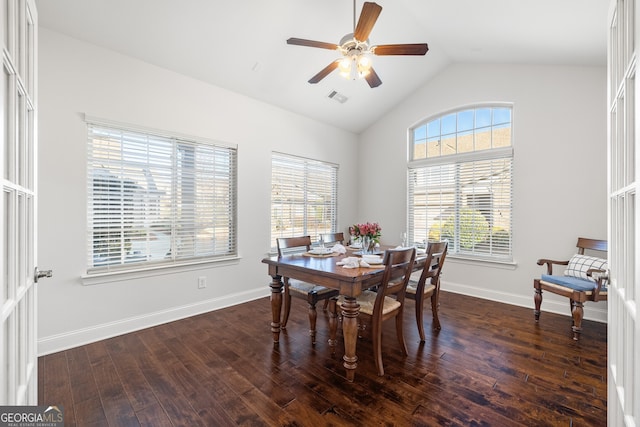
x: 464, y: 197
x: 156, y: 199
x: 304, y: 196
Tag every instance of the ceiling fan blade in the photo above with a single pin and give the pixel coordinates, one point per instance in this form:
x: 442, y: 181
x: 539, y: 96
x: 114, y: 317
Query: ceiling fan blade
x: 368, y: 17
x: 324, y: 72
x: 312, y: 43
x: 401, y: 49
x: 373, y: 79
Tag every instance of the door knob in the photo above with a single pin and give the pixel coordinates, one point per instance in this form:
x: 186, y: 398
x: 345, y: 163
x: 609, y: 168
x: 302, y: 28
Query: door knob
x: 39, y: 274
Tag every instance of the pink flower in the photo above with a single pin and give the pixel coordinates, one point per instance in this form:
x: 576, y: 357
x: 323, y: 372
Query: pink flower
x: 371, y: 229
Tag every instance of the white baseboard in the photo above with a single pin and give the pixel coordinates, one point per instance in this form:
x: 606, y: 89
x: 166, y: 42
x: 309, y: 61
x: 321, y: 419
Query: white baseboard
x: 549, y: 305
x: 55, y: 343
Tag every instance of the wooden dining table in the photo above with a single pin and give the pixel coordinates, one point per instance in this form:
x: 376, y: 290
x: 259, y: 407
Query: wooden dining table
x: 324, y: 271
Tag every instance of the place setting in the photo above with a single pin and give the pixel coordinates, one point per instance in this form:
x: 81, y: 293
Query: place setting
x: 365, y: 261
x: 322, y: 251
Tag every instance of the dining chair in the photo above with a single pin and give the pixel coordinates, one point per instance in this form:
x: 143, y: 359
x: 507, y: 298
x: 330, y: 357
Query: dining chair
x: 388, y: 301
x: 303, y: 290
x: 332, y: 238
x: 428, y: 285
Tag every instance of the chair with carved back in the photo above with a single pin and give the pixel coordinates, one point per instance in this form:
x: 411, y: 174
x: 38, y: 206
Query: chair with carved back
x: 584, y: 279
x: 428, y: 285
x: 388, y: 301
x: 299, y: 289
x: 332, y: 238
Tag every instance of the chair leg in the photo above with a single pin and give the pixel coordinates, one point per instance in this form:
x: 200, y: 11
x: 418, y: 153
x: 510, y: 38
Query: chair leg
x: 376, y: 337
x: 419, y: 310
x: 400, y: 334
x: 573, y: 322
x: 434, y: 309
x: 313, y: 315
x: 577, y: 313
x: 333, y: 323
x: 325, y: 305
x: 537, y: 299
x: 286, y: 309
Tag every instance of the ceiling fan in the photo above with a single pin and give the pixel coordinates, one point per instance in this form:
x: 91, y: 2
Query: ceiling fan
x: 356, y: 51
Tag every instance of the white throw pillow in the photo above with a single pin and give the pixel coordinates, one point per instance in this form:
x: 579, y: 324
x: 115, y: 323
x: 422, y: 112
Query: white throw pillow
x: 580, y: 264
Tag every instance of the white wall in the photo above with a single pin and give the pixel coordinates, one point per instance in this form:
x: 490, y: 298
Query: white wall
x: 77, y: 78
x: 559, y: 139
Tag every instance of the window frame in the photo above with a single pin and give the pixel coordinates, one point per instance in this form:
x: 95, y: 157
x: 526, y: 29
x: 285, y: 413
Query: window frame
x: 220, y: 170
x: 497, y: 250
x: 309, y: 183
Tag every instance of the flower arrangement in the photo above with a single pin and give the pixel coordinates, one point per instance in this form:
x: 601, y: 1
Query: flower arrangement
x: 369, y: 229
x: 368, y: 233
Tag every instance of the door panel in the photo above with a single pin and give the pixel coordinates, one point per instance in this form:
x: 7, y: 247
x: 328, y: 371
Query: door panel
x: 624, y: 285
x: 18, y: 358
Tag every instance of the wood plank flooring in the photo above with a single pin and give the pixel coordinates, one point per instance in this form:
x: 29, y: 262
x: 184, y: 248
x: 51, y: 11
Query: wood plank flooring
x: 490, y: 365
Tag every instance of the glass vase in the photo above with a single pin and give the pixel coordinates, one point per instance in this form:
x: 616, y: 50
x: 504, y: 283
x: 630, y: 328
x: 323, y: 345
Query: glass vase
x: 366, y: 245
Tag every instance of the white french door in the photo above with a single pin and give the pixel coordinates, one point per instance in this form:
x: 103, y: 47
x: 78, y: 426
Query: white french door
x: 18, y: 354
x: 624, y: 234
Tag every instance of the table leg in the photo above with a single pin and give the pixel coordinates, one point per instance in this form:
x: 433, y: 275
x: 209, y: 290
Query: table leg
x: 276, y: 306
x: 350, y: 312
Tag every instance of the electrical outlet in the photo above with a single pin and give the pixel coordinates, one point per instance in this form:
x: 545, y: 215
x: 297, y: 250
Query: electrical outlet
x: 202, y: 282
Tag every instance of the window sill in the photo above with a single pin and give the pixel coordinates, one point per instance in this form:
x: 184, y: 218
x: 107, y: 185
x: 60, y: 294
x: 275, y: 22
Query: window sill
x: 156, y: 270
x: 491, y: 263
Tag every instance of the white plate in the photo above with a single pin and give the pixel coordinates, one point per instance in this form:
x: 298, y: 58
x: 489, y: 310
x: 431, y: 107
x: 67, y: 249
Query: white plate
x: 357, y: 246
x: 320, y: 251
x: 372, y: 259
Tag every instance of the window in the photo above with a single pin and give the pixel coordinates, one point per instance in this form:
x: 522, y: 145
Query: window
x: 460, y: 182
x: 157, y: 199
x: 304, y: 197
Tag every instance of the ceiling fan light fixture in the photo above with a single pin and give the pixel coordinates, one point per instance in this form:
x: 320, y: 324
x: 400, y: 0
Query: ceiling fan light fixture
x: 345, y: 67
x: 364, y: 64
x: 354, y: 66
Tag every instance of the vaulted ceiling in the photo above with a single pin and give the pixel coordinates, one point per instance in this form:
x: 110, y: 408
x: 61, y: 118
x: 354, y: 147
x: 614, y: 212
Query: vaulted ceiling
x: 241, y: 45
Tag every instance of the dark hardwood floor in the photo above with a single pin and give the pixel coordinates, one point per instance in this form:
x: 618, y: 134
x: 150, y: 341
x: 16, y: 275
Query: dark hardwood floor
x: 489, y: 365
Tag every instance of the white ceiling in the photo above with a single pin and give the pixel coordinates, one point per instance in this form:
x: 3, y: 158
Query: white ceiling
x: 240, y: 44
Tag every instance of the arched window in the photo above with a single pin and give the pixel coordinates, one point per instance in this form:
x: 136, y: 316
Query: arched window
x: 460, y: 181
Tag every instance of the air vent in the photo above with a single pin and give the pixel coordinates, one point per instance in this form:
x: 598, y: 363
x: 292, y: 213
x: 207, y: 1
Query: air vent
x: 338, y: 97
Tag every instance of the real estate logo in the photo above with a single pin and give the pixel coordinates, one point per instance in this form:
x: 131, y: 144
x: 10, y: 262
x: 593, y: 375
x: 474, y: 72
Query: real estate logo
x: 31, y: 416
